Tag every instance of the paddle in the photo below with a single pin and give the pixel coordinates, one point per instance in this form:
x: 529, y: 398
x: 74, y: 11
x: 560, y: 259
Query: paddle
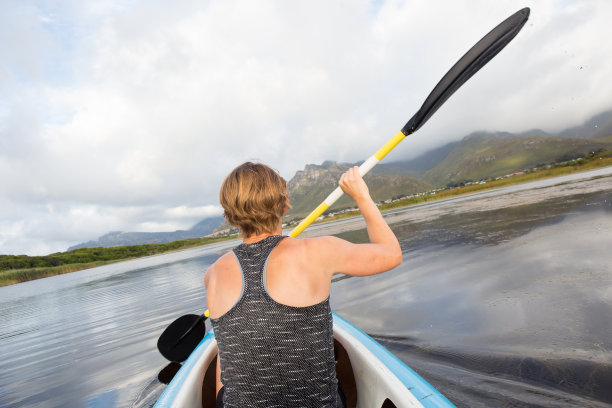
x: 182, y: 336
x: 468, y: 65
x: 185, y: 333
x: 168, y: 372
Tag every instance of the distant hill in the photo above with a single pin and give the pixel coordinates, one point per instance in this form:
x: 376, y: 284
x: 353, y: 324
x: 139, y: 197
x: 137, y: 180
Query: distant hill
x: 417, y: 166
x: 120, y: 238
x: 309, y: 187
x: 479, y: 156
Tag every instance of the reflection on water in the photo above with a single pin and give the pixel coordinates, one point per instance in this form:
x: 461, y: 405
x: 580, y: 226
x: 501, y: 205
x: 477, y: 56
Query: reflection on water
x: 521, y: 302
x: 507, y: 307
x: 93, y: 344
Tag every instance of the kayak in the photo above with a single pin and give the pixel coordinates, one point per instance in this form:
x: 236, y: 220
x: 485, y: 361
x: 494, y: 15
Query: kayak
x: 369, y: 374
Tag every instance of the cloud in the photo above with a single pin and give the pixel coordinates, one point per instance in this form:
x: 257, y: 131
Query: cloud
x: 127, y: 115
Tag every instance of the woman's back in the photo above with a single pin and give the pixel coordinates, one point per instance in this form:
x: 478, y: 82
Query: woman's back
x: 294, y: 276
x: 273, y: 354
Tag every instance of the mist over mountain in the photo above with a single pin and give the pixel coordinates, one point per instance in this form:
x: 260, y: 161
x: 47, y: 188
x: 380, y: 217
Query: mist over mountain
x: 417, y: 166
x: 598, y: 127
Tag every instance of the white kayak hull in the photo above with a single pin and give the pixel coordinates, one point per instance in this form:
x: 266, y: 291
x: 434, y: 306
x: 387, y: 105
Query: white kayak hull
x: 370, y: 375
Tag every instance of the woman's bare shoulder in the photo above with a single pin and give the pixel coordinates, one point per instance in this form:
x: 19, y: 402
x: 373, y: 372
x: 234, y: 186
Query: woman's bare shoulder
x: 225, y: 263
x: 313, y: 243
x: 326, y: 241
x: 317, y: 247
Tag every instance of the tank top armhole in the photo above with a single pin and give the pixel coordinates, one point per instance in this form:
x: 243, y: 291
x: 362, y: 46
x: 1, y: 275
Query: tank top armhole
x: 242, y: 289
x: 264, y: 275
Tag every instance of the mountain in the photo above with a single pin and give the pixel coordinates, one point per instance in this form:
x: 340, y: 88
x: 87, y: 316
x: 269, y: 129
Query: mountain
x: 477, y: 156
x: 309, y: 187
x: 120, y: 238
x: 482, y: 155
x: 417, y: 166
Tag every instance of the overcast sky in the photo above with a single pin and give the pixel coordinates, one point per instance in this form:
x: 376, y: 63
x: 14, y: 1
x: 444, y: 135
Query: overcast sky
x: 127, y: 114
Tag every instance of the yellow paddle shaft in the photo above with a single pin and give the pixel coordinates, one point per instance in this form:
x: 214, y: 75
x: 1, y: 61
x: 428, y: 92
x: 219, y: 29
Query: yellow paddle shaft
x: 337, y: 193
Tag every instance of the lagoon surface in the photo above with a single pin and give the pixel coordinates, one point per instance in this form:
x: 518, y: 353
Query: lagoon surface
x: 504, y: 299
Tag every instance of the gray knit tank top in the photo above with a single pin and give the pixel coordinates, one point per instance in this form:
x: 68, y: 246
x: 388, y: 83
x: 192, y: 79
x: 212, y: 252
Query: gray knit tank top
x: 274, y: 355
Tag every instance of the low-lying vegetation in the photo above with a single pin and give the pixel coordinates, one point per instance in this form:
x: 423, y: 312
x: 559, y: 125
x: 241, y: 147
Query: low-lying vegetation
x: 21, y: 268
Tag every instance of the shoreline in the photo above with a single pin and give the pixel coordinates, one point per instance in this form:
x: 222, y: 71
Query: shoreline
x: 489, y: 200
x: 514, y: 191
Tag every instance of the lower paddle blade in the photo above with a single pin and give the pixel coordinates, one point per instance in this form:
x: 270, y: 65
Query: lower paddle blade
x: 168, y: 372
x: 182, y: 336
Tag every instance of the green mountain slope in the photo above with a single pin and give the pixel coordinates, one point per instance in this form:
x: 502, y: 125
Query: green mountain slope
x: 483, y: 156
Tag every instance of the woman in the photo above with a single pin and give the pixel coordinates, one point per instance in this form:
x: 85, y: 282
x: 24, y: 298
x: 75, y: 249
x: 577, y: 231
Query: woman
x: 269, y: 297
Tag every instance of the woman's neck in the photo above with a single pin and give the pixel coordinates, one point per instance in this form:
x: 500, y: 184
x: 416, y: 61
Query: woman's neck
x: 258, y: 237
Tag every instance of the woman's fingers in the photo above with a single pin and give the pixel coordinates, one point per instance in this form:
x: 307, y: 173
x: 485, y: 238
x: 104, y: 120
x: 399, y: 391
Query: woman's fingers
x: 352, y: 183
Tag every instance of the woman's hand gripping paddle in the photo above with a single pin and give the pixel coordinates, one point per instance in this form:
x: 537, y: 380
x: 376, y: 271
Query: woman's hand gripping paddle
x: 185, y: 333
x: 468, y: 65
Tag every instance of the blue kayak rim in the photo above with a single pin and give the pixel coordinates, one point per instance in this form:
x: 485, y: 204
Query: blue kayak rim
x: 424, y: 392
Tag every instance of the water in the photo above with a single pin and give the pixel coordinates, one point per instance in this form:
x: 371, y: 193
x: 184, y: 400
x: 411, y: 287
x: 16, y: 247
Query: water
x: 502, y: 300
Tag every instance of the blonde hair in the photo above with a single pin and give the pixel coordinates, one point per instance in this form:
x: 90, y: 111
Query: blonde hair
x: 254, y: 198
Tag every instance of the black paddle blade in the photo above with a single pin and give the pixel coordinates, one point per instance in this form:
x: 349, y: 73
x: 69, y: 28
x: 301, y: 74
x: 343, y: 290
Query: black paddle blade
x: 182, y: 336
x: 168, y: 372
x: 476, y: 58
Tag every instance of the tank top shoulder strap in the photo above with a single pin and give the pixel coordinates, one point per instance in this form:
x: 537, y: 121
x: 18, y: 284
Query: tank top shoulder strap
x: 253, y: 260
